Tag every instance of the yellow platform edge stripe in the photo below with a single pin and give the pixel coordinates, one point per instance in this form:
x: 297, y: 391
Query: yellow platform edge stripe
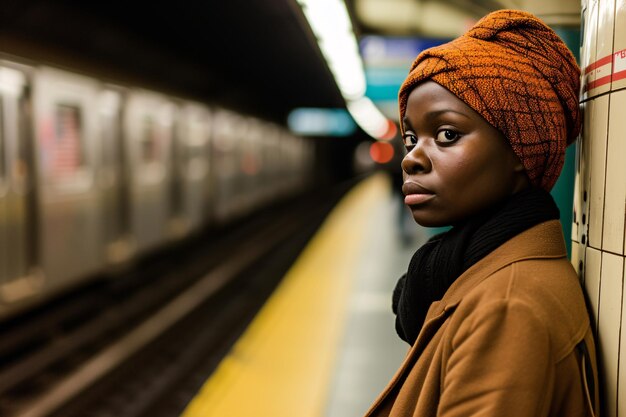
x: 283, y: 363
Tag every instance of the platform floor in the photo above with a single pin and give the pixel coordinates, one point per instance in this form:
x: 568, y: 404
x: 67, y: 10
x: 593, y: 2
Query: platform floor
x: 324, y: 345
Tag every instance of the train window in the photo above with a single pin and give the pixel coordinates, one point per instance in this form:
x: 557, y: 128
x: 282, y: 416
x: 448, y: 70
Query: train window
x: 195, y: 142
x: 150, y: 152
x: 69, y: 152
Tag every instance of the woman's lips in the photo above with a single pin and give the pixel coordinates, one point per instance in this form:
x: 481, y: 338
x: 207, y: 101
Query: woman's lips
x: 415, y: 193
x: 413, y: 199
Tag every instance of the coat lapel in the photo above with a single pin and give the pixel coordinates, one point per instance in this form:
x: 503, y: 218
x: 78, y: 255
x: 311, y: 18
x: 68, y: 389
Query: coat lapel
x: 434, y: 319
x: 544, y: 240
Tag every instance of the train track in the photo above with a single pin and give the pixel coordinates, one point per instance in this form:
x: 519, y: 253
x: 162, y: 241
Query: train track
x: 130, y: 346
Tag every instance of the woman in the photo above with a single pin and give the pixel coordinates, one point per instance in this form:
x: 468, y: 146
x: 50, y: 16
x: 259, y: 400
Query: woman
x: 492, y: 309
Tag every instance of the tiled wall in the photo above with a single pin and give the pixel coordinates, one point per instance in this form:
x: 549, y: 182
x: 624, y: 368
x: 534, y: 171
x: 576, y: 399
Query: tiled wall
x: 598, y: 230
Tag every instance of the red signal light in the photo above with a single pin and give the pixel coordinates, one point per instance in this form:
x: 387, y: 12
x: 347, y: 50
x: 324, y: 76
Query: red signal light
x: 381, y: 152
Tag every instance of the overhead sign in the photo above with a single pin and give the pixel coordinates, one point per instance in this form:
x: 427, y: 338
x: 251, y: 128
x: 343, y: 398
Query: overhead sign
x: 394, y: 51
x: 321, y: 122
x: 387, y: 61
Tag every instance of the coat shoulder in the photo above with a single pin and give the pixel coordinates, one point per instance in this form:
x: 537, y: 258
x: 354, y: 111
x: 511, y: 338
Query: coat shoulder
x: 548, y: 287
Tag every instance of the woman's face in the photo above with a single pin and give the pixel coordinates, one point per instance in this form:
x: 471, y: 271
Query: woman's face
x: 457, y: 164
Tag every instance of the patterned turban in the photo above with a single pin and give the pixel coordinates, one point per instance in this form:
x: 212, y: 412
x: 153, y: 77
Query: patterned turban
x: 518, y: 74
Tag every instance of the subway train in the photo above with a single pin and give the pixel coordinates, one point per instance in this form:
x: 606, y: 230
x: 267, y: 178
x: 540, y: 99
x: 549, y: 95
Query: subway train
x: 95, y: 174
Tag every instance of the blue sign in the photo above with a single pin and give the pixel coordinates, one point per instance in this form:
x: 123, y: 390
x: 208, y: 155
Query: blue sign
x: 387, y: 61
x: 321, y: 122
x: 382, y: 49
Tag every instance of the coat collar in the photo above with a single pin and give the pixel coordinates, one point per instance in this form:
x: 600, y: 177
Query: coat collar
x: 543, y: 241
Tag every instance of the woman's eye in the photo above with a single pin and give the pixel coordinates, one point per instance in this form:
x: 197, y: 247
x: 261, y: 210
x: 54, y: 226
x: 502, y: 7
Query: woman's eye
x: 410, y: 139
x: 447, y: 136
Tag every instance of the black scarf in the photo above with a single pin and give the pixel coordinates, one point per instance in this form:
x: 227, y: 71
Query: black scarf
x: 441, y: 260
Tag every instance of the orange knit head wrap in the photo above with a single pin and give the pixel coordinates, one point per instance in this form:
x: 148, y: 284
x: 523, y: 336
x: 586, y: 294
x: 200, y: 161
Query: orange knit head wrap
x: 518, y: 74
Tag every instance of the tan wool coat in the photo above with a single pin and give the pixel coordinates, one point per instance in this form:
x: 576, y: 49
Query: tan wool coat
x: 504, y: 341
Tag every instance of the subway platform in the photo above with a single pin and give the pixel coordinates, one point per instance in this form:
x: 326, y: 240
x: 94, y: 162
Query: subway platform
x: 324, y: 344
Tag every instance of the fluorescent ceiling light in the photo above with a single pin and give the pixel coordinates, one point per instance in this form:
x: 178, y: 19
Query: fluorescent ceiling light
x: 330, y: 22
x: 367, y: 115
x: 331, y: 25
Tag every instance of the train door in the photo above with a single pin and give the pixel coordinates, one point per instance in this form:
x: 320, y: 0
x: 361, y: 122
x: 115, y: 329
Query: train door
x: 241, y: 132
x: 225, y: 165
x: 285, y: 141
x: 114, y: 178
x: 149, y: 126
x: 68, y: 194
x: 249, y: 145
x: 267, y: 164
x: 177, y: 224
x: 18, y: 252
x: 194, y: 166
x: 272, y: 158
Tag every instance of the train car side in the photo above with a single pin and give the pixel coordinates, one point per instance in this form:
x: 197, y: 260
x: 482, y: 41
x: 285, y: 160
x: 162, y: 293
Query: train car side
x: 94, y: 175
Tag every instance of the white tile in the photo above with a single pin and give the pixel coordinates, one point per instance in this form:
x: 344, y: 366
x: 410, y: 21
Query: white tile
x: 606, y: 15
x: 610, y: 314
x: 597, y: 120
x: 604, y: 43
x: 575, y: 259
x: 588, y: 47
x: 581, y: 196
x: 619, y: 44
x: 614, y: 205
x: 593, y: 259
x: 578, y: 185
x: 577, y: 203
x: 588, y: 50
x: 621, y: 382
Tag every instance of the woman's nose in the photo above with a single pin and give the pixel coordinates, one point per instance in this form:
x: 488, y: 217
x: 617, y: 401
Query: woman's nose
x: 416, y: 161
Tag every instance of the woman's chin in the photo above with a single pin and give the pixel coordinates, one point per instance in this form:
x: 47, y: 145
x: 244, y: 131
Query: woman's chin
x: 429, y: 221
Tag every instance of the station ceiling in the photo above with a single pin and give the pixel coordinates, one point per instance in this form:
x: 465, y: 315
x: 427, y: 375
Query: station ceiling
x: 255, y: 56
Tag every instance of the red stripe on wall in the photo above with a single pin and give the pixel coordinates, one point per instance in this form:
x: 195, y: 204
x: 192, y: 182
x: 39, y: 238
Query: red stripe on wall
x: 619, y: 75
x: 602, y: 61
x: 597, y: 83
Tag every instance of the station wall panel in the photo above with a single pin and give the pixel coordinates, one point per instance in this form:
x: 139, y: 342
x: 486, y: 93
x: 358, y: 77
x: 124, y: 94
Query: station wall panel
x: 593, y: 259
x: 619, y: 46
x: 601, y: 176
x: 609, y: 320
x: 588, y: 47
x: 597, y: 117
x: 613, y: 235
